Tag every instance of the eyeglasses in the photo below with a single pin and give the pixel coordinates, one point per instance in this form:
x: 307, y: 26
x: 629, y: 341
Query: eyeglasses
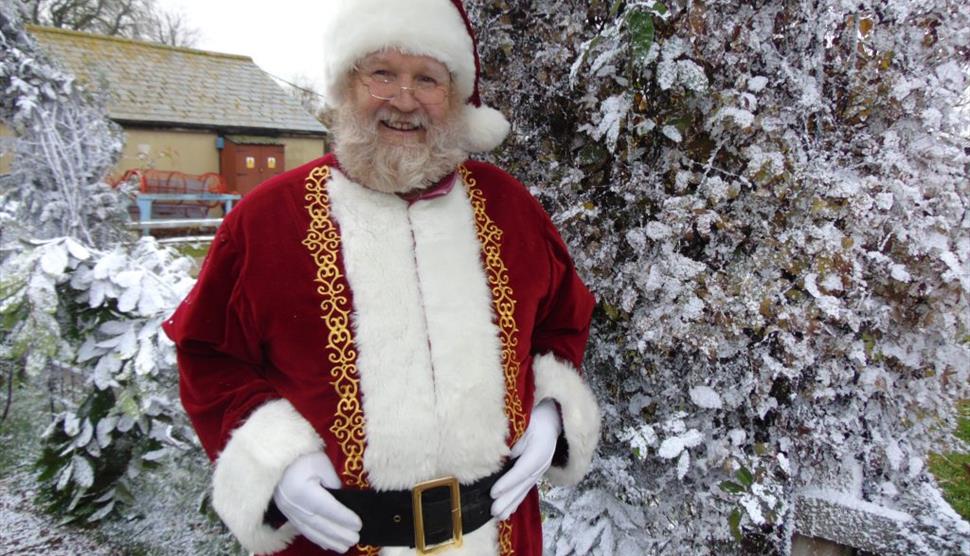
x: 385, y: 85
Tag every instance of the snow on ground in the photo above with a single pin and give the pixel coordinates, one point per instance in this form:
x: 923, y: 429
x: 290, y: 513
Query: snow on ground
x: 24, y: 530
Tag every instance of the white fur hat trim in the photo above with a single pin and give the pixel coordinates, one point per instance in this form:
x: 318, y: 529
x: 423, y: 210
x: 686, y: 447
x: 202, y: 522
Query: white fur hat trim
x: 355, y: 28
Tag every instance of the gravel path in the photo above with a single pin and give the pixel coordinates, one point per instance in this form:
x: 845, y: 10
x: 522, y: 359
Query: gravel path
x: 24, y: 530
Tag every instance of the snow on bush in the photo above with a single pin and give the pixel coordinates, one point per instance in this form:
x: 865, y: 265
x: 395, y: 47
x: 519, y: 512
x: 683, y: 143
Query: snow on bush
x: 95, y: 317
x: 81, y: 302
x: 63, y: 148
x: 770, y: 201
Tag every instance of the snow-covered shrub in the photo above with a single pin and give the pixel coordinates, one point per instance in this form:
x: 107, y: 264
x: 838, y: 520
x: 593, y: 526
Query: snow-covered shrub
x: 81, y: 301
x: 70, y: 312
x: 770, y: 201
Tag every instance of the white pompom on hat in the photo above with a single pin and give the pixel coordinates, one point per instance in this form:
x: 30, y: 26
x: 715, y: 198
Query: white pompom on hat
x: 439, y: 29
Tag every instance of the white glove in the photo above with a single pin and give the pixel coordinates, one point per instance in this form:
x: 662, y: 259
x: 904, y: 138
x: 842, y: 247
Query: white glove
x: 315, y: 513
x: 534, y: 452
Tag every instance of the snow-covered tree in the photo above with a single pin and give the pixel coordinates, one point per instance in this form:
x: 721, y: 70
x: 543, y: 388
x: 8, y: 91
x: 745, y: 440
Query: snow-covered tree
x: 64, y: 147
x: 770, y: 201
x: 81, y: 301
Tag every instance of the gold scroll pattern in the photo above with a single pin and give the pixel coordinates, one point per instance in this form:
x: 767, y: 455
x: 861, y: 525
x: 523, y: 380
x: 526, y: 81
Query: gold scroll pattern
x: 323, y: 242
x: 505, y: 538
x: 490, y: 237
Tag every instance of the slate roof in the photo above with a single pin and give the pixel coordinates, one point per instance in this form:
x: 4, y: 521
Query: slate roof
x: 156, y: 84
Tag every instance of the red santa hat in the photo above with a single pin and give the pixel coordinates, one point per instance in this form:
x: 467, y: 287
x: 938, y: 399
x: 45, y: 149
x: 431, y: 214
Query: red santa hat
x: 436, y: 28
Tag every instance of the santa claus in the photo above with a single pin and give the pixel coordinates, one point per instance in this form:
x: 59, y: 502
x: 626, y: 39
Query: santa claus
x: 382, y: 352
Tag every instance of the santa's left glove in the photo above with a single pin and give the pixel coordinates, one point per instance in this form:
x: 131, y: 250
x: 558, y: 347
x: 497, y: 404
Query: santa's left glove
x: 534, y: 452
x: 302, y: 497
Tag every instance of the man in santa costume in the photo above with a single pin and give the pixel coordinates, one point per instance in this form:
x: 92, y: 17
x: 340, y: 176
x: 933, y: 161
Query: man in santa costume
x: 382, y: 352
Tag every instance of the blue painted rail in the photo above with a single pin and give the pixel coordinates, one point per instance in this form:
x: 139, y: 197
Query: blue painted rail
x: 146, y: 200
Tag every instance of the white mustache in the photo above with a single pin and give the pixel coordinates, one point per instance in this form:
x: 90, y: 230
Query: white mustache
x: 392, y: 116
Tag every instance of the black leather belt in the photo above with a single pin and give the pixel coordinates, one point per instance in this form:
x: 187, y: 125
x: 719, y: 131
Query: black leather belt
x: 424, y: 516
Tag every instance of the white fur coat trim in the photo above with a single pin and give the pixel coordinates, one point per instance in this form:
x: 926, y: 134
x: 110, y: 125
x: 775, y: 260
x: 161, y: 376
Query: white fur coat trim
x: 428, y: 354
x: 558, y: 380
x: 466, y: 351
x: 480, y: 542
x: 248, y: 469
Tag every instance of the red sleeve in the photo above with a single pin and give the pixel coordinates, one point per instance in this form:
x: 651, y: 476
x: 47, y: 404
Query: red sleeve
x: 558, y: 344
x: 219, y: 348
x: 565, y: 311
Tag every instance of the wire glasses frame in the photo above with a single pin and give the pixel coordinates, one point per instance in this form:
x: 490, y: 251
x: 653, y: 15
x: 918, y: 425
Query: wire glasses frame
x: 387, y: 88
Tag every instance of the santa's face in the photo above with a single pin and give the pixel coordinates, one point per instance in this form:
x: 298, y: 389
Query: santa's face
x: 414, y: 91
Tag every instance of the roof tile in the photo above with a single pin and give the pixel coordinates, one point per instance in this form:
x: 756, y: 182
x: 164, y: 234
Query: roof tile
x: 161, y: 84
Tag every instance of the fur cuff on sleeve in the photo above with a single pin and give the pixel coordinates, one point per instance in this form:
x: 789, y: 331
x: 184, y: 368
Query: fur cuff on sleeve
x: 247, y: 470
x: 580, y: 415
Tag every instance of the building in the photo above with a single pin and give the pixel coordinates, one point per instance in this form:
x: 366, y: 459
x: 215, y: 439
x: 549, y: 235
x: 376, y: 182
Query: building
x: 190, y: 110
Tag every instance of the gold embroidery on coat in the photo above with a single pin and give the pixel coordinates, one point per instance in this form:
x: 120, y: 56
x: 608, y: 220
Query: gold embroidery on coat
x: 505, y: 538
x: 503, y: 299
x: 323, y: 241
x: 490, y: 236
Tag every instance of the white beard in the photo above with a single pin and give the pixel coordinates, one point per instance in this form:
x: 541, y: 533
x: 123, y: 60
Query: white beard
x: 390, y: 167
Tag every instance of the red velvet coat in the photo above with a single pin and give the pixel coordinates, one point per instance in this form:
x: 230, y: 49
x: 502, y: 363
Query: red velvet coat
x: 407, y: 340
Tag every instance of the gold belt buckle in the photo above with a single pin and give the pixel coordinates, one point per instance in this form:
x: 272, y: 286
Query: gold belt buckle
x: 452, y: 484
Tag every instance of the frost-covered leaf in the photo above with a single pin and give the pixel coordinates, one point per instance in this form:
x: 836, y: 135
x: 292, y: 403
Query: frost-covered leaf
x: 753, y: 508
x: 104, y: 372
x: 671, y: 447
x: 131, y: 292
x: 738, y: 116
x: 692, y: 438
x: 102, y: 512
x: 156, y: 455
x: 72, y: 424
x: 97, y: 293
x: 145, y: 360
x: 104, y: 429
x: 757, y: 83
x: 83, y: 472
x: 87, y: 432
x: 706, y: 397
x: 612, y: 115
x: 640, y: 439
x: 54, y: 260
x: 77, y: 250
x: 107, y: 496
x: 64, y: 476
x: 683, y: 464
x: 115, y: 327
x: 152, y: 302
x: 110, y: 265
x: 81, y: 278
x: 666, y: 73
x: 691, y: 75
x: 127, y: 343
x: 126, y: 421
x: 52, y: 427
x: 672, y: 133
x: 88, y: 350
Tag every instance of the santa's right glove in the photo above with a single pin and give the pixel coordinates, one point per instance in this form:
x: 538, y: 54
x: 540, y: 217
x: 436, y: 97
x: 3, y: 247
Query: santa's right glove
x: 317, y: 515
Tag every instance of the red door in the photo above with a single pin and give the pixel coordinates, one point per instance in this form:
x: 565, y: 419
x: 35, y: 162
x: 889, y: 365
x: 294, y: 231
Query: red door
x: 246, y: 166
